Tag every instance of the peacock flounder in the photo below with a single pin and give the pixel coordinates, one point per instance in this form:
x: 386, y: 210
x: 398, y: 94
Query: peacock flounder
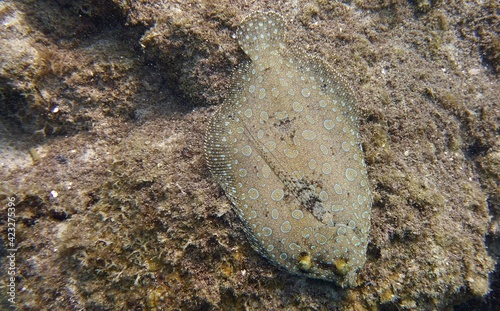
x: 285, y: 148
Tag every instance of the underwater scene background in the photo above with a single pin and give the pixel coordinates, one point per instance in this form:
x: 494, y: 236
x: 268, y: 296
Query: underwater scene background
x: 106, y: 200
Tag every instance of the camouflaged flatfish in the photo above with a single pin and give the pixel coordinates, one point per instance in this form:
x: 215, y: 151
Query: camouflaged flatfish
x: 285, y: 148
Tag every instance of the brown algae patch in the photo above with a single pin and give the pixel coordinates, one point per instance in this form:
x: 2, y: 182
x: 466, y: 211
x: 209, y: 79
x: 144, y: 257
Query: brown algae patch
x: 285, y: 148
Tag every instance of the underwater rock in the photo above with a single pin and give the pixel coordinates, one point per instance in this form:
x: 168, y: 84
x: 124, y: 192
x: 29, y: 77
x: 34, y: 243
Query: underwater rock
x: 285, y: 148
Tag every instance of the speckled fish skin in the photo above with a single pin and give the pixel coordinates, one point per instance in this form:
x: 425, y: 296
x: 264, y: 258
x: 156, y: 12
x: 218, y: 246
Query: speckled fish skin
x: 285, y: 148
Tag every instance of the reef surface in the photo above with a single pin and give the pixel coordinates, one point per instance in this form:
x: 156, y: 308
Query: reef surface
x: 103, y: 110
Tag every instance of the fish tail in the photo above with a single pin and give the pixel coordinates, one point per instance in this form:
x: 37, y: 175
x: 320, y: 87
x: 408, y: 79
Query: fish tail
x: 261, y: 33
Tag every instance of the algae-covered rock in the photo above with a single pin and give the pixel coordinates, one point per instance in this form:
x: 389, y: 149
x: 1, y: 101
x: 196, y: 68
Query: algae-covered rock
x: 101, y: 151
